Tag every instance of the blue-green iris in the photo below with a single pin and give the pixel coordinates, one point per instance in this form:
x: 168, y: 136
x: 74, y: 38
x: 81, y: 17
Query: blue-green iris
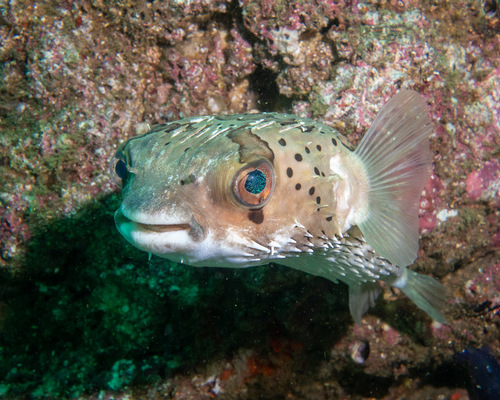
x: 255, y: 182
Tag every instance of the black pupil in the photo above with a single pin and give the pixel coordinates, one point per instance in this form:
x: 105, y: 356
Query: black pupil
x: 255, y: 182
x: 121, y: 169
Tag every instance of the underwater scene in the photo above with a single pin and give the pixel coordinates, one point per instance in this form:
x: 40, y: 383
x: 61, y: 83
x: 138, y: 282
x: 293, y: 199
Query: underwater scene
x: 208, y: 199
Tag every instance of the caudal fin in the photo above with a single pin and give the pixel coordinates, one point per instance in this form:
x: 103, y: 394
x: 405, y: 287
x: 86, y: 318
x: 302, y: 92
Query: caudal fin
x: 426, y: 292
x: 395, y: 154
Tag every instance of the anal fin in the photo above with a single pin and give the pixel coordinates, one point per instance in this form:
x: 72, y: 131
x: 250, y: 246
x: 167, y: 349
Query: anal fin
x: 361, y: 298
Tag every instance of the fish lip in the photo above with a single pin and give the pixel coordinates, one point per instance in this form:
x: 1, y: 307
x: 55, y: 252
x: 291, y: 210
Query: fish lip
x: 121, y: 219
x: 162, y: 228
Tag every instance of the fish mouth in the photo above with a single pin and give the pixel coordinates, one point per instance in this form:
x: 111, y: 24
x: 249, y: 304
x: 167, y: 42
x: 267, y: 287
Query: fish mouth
x: 162, y: 228
x: 122, y: 219
x: 140, y: 228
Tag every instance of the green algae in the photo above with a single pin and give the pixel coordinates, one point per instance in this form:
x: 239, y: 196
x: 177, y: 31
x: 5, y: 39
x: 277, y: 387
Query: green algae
x: 122, y: 373
x: 470, y: 218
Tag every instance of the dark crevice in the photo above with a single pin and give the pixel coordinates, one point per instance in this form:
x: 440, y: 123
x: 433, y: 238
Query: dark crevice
x: 331, y: 23
x: 219, y: 19
x: 234, y: 9
x: 262, y: 80
x: 263, y: 84
x: 356, y: 382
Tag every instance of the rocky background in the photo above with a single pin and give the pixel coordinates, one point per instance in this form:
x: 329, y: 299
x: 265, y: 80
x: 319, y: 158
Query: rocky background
x: 82, y: 314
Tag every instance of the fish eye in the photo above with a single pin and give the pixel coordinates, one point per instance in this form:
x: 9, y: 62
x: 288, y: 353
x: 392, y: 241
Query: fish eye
x: 254, y: 184
x: 121, y: 169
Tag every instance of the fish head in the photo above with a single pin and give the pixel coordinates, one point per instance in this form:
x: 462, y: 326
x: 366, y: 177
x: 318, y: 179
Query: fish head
x: 214, y: 194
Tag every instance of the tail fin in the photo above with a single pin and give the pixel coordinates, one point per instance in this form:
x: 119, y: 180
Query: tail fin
x: 395, y: 154
x: 426, y: 292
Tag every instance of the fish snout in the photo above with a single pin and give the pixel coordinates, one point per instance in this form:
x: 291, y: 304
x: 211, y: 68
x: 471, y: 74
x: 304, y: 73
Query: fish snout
x: 162, y: 234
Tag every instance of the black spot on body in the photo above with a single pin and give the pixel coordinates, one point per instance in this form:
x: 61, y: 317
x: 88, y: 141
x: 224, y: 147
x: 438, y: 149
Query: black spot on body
x: 256, y: 216
x: 190, y: 179
x: 318, y: 200
x: 289, y: 172
x: 298, y: 186
x: 329, y: 218
x: 186, y: 149
x: 298, y: 157
x: 334, y: 142
x: 282, y: 142
x: 166, y: 144
x: 316, y: 170
x: 307, y: 150
x: 318, y: 147
x: 323, y: 174
x: 311, y: 191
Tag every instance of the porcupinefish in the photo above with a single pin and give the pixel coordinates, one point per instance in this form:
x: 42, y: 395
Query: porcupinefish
x: 251, y: 189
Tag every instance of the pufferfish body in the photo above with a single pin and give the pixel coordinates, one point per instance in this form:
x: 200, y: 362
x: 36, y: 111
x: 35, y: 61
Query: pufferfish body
x: 250, y: 189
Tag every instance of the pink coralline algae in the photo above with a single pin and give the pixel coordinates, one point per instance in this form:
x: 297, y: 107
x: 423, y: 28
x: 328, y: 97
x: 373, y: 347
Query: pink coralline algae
x: 486, y: 285
x: 429, y: 203
x: 485, y: 183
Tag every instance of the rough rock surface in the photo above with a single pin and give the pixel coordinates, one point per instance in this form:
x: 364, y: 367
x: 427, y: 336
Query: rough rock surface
x: 83, y: 314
